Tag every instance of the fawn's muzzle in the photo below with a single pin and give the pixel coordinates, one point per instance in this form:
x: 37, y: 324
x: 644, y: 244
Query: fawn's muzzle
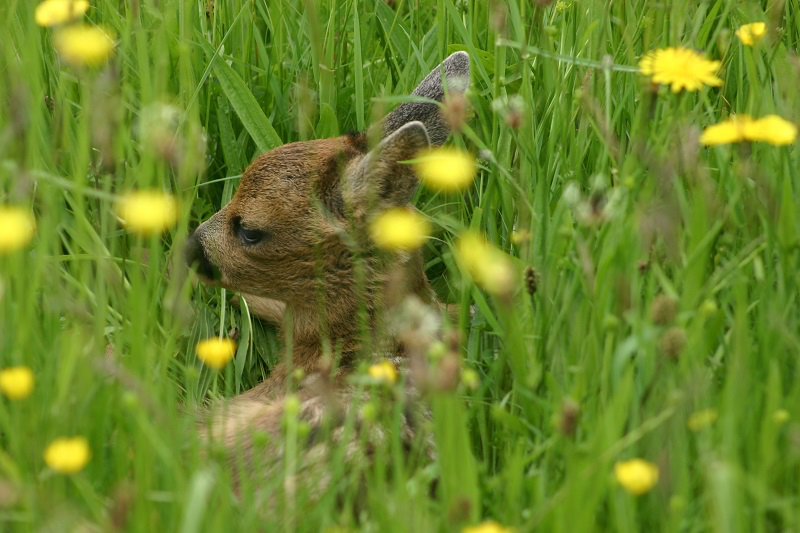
x: 196, y: 257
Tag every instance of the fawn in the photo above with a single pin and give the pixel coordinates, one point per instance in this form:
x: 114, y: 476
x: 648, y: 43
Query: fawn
x: 289, y: 242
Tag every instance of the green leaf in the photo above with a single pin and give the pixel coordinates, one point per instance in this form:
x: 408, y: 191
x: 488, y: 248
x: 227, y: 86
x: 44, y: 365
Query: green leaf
x: 247, y: 109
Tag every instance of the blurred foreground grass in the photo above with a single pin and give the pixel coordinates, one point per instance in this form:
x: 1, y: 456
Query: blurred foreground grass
x: 656, y: 315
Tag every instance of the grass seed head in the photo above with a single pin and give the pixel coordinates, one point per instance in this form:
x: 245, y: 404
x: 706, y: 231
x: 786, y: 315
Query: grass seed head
x: 532, y: 280
x: 663, y: 309
x: 672, y: 342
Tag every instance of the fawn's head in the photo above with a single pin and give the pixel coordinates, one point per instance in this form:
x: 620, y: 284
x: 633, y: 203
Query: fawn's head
x: 283, y: 230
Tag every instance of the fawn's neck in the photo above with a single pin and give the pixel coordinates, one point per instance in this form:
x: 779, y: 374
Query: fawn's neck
x: 346, y: 323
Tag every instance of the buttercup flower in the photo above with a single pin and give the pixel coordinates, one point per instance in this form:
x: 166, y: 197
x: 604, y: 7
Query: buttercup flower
x: 701, y: 419
x: 681, y: 68
x: 384, y: 371
x: 399, y: 229
x: 771, y: 129
x: 17, y: 227
x: 750, y: 34
x: 215, y: 352
x: 53, y: 12
x: 445, y: 169
x: 489, y: 526
x: 487, y: 264
x: 636, y: 476
x: 147, y: 212
x: 16, y: 382
x: 67, y: 455
x: 83, y: 45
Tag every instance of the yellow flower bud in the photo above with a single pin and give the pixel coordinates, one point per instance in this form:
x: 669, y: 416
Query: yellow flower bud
x: 67, y: 455
x: 636, y: 476
x: 16, y: 382
x: 215, y: 352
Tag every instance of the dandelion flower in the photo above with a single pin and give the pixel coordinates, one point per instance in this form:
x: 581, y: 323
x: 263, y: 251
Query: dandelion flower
x: 384, y: 372
x: 147, y: 212
x: 17, y: 227
x: 67, y: 455
x: 487, y: 264
x: 750, y: 34
x: 54, y: 12
x: 726, y: 132
x: 636, y: 476
x: 399, y: 229
x: 489, y: 526
x: 445, y: 169
x: 215, y: 352
x: 16, y: 382
x: 84, y: 45
x: 681, y: 68
x: 701, y: 419
x: 771, y: 129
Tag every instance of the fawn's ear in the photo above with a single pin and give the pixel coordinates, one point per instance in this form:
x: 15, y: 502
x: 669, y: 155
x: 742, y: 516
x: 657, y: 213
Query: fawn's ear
x: 451, y: 77
x: 380, y: 176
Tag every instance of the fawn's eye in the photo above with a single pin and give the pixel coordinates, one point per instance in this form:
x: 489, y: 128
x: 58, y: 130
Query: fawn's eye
x: 250, y: 236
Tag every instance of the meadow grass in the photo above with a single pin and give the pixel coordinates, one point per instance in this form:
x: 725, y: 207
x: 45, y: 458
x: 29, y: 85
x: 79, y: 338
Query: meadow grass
x: 589, y: 175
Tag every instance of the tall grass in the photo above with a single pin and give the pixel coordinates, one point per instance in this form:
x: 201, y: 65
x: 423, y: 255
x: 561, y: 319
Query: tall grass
x: 611, y: 198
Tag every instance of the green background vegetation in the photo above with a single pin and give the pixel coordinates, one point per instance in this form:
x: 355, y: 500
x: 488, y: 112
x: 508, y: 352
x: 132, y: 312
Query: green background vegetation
x: 604, y: 173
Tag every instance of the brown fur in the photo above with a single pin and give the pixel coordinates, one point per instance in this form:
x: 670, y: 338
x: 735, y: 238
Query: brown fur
x: 313, y: 201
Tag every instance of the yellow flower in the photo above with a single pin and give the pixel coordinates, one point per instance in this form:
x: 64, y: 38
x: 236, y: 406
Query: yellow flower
x: 487, y: 264
x: 701, y: 419
x: 399, y: 229
x: 750, y: 34
x: 17, y: 227
x: 771, y: 129
x: 16, y: 382
x: 681, y: 68
x: 67, y: 455
x: 445, y: 169
x: 215, y: 352
x: 489, y: 526
x: 53, y: 12
x: 84, y: 45
x: 385, y: 372
x: 727, y: 131
x: 637, y: 476
x: 147, y: 212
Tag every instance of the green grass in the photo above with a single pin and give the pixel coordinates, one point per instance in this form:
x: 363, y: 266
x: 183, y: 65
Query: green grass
x: 716, y: 229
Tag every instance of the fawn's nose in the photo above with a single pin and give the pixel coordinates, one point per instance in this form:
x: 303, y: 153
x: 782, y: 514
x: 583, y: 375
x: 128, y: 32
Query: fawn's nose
x: 196, y: 257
